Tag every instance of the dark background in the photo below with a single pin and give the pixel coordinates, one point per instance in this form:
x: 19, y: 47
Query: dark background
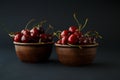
x: 104, y: 17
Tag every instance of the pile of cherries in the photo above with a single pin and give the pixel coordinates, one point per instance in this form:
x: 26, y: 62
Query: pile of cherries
x: 35, y: 35
x: 75, y: 37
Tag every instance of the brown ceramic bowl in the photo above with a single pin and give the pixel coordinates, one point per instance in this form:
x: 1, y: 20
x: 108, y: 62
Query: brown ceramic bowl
x: 76, y: 56
x: 33, y: 52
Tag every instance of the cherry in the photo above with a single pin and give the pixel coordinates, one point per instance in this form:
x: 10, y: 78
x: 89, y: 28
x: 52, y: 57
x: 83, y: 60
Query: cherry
x: 72, y: 29
x: 35, y: 35
x: 83, y: 40
x: 59, y: 41
x: 34, y: 32
x: 87, y: 40
x: 64, y: 40
x: 92, y: 40
x: 41, y: 30
x: 46, y: 37
x: 25, y: 32
x: 72, y: 39
x: 25, y: 38
x: 64, y: 33
x: 78, y: 34
x: 43, y: 37
x: 49, y: 37
x: 17, y: 37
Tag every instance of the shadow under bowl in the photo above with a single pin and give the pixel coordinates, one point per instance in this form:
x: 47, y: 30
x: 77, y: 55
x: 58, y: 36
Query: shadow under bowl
x: 33, y: 52
x: 73, y: 55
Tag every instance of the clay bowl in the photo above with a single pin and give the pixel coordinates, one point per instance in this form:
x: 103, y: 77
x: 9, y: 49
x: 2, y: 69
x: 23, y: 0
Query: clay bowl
x: 72, y: 55
x: 33, y: 52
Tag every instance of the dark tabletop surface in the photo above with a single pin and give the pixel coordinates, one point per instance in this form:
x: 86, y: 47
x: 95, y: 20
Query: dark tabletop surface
x: 105, y: 67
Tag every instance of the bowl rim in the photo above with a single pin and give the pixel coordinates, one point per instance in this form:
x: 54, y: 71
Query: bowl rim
x: 27, y: 44
x: 76, y: 46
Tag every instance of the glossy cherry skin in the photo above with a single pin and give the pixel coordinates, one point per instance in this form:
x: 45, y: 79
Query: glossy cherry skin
x: 46, y: 37
x: 49, y: 38
x: 59, y: 41
x: 41, y: 30
x: 78, y: 34
x: 64, y: 33
x: 17, y: 37
x: 91, y: 40
x: 43, y: 37
x: 34, y: 32
x: 72, y: 29
x: 72, y: 39
x: 83, y: 40
x: 26, y: 38
x: 25, y: 32
x: 64, y: 40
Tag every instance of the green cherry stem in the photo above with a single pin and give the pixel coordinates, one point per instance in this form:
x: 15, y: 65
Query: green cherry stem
x: 41, y: 23
x: 84, y: 24
x: 98, y: 35
x: 49, y: 27
x: 75, y: 46
x: 57, y: 34
x: 93, y: 33
x: 79, y: 25
x: 29, y: 23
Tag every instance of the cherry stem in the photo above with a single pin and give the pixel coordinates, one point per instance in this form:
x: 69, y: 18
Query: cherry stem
x: 49, y: 27
x: 29, y: 23
x: 41, y: 23
x: 75, y: 46
x: 98, y: 35
x: 93, y: 33
x: 84, y: 24
x: 79, y: 25
x: 57, y: 34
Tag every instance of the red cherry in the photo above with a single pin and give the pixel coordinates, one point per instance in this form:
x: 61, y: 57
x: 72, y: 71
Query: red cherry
x: 34, y: 32
x: 43, y: 37
x: 25, y: 38
x: 89, y: 39
x: 78, y: 34
x: 17, y: 37
x: 92, y: 40
x: 46, y: 37
x: 64, y: 40
x: 72, y: 29
x: 64, y: 33
x: 41, y: 30
x: 72, y: 39
x: 49, y: 37
x: 25, y: 32
x: 59, y: 41
x: 83, y: 40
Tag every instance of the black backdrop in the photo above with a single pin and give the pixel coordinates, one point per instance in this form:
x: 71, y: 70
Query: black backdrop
x: 103, y: 16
